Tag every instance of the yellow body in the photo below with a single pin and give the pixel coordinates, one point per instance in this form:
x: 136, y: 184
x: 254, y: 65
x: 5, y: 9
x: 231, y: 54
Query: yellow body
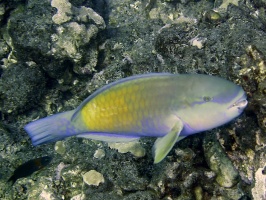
x: 123, y: 107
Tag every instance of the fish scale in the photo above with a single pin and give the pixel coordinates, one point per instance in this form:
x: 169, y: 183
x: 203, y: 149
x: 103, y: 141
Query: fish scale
x: 126, y: 105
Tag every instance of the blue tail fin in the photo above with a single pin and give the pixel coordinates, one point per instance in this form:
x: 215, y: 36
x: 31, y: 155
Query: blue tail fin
x: 52, y: 128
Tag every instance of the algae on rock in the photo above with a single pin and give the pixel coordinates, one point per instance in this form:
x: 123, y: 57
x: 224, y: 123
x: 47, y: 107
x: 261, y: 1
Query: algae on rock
x: 227, y: 175
x: 21, y: 86
x: 59, y: 44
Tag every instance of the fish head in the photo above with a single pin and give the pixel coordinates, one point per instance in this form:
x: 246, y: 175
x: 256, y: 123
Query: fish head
x: 215, y: 101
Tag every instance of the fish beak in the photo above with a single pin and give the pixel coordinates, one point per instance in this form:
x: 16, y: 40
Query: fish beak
x: 240, y: 104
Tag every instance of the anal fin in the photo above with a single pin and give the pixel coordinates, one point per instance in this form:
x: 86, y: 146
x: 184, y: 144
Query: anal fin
x: 163, y: 145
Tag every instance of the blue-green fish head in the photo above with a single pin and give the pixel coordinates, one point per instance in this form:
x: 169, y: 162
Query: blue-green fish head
x: 213, y: 102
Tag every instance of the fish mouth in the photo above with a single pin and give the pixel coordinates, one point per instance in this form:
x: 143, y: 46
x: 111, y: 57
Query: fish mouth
x: 241, y: 103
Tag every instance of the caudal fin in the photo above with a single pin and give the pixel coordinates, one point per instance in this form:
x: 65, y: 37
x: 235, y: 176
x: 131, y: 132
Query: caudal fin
x: 52, y: 128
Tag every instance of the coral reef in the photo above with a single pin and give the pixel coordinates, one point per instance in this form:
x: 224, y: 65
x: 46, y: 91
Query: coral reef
x: 17, y: 94
x: 133, y: 147
x: 226, y: 174
x: 93, y: 177
x: 259, y: 191
x: 55, y: 53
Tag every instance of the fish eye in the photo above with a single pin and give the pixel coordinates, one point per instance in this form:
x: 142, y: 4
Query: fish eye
x: 207, y: 98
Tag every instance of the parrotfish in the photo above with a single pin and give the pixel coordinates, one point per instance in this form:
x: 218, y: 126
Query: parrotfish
x: 29, y: 167
x: 166, y: 106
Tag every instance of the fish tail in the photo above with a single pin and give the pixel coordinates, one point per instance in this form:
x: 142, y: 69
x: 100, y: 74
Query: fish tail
x: 52, y: 128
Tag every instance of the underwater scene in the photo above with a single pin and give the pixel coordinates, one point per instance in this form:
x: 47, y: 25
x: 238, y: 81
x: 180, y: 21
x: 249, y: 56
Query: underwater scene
x: 133, y: 99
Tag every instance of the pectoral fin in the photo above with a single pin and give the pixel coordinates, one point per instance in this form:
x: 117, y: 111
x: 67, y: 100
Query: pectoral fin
x: 163, y: 145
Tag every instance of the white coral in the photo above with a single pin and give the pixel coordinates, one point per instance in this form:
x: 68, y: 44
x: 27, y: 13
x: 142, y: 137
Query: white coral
x: 259, y: 190
x: 93, y: 177
x: 64, y: 11
x: 133, y: 147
